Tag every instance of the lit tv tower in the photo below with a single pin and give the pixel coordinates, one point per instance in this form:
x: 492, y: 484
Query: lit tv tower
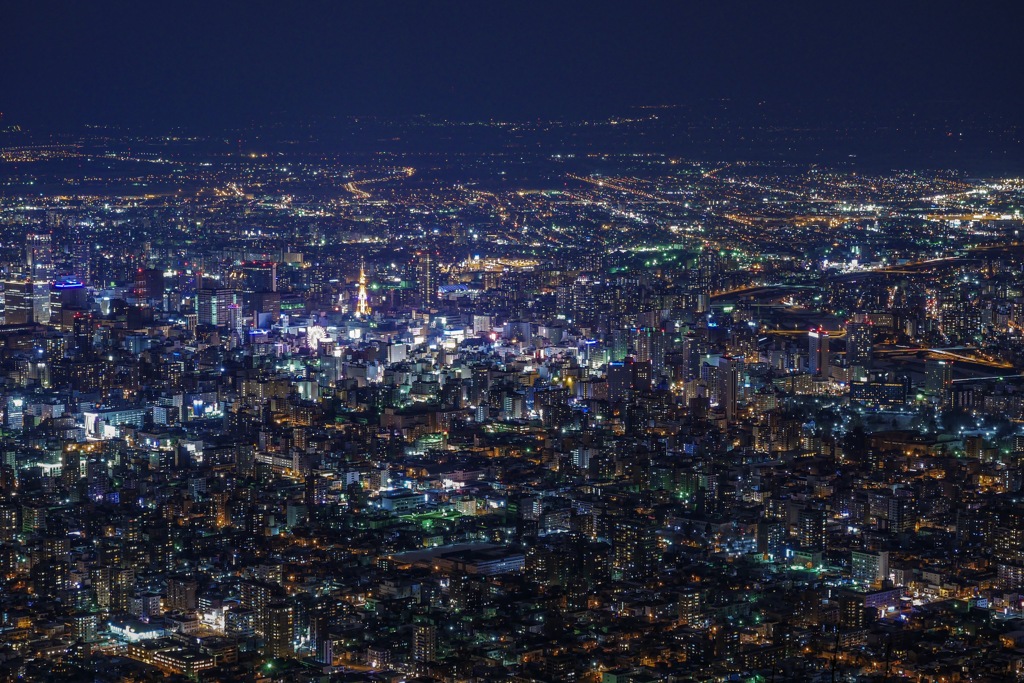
x: 363, y: 305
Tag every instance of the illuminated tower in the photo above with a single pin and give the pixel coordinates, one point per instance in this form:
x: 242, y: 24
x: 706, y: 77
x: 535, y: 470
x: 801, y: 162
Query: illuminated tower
x: 362, y: 305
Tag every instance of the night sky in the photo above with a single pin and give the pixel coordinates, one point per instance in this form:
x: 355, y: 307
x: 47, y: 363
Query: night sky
x: 220, y: 63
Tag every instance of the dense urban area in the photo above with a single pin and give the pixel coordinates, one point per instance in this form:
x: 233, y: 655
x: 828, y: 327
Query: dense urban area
x: 536, y: 408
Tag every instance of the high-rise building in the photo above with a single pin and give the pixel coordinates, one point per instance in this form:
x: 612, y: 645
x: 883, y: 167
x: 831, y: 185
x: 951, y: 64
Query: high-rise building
x: 50, y: 578
x: 424, y: 639
x: 426, y: 274
x: 651, y: 344
x: 85, y: 627
x: 83, y: 329
x: 149, y: 286
x: 41, y: 272
x: 280, y: 630
x: 634, y: 549
x: 577, y: 301
x: 709, y: 268
x: 730, y: 384
x: 215, y: 306
x: 619, y: 344
x: 689, y: 606
x: 68, y: 296
x: 626, y: 377
x: 772, y: 538
x: 266, y: 308
x: 260, y: 276
x: 8, y: 522
x: 18, y: 302
x: 869, y: 567
x: 1008, y: 551
x: 852, y: 613
x: 960, y: 316
x: 743, y: 342
x: 810, y: 532
x: 39, y: 255
x: 81, y: 254
x: 901, y: 514
x: 257, y: 596
x: 859, y: 344
x: 181, y: 593
x: 939, y: 378
x: 690, y: 352
x: 817, y: 354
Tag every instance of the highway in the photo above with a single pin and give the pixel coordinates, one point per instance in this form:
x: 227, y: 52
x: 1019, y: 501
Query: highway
x: 950, y: 353
x: 355, y: 186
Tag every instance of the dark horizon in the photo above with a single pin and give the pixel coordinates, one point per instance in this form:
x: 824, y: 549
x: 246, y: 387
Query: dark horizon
x: 230, y: 65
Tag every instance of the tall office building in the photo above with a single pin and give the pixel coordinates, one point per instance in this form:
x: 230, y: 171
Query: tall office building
x: 39, y: 255
x: 80, y: 246
x: 260, y: 276
x: 266, y: 308
x: 41, y: 271
x: 817, y: 354
x: 939, y: 378
x: 215, y: 306
x: 626, y: 377
x: 651, y: 344
x: 68, y: 296
x: 619, y: 344
x: 426, y: 275
x: 859, y: 344
x: 709, y: 268
x: 149, y: 287
x: 730, y: 381
x: 18, y: 302
x: 690, y: 351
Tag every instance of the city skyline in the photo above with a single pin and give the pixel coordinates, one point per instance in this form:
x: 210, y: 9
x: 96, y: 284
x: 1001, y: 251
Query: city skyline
x: 475, y: 343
